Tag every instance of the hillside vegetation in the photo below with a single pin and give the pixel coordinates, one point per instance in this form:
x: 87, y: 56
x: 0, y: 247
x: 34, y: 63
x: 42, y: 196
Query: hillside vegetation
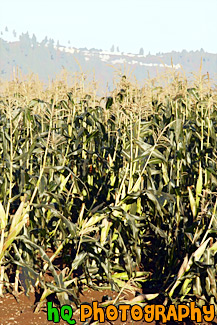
x: 115, y: 192
x: 48, y: 59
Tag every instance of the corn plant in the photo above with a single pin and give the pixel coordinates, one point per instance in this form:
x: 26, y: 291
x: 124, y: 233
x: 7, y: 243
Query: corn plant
x: 111, y: 192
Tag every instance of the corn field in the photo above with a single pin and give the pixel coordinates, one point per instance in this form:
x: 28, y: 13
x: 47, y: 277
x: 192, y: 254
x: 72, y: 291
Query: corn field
x: 114, y: 192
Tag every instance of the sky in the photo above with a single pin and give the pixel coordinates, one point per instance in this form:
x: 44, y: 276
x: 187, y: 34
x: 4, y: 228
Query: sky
x: 154, y: 25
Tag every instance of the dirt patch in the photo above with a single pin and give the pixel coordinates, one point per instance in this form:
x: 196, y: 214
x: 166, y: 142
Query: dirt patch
x: 20, y: 310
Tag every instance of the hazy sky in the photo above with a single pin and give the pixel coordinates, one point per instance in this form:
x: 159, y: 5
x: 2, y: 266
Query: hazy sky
x: 155, y: 25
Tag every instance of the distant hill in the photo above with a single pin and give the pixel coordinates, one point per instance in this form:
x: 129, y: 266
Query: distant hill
x: 47, y: 60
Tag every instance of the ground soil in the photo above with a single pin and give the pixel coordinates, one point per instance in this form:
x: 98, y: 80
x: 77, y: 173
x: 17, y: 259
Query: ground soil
x: 20, y: 310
